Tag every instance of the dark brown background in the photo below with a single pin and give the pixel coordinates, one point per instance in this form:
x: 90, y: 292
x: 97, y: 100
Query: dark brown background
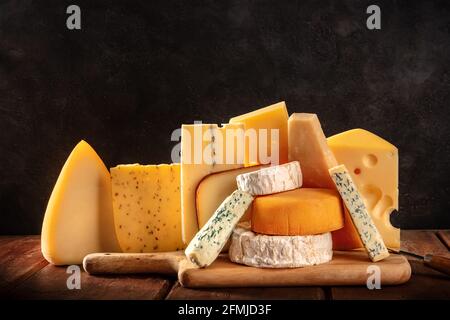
x: 138, y: 69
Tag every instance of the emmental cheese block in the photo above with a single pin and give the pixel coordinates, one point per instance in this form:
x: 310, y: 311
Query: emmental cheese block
x: 308, y: 145
x: 373, y: 165
x: 205, y: 149
x: 209, y: 241
x: 272, y: 179
x: 272, y: 149
x: 213, y: 189
x: 368, y: 232
x: 304, y: 211
x: 79, y: 216
x: 263, y: 251
x: 147, y: 207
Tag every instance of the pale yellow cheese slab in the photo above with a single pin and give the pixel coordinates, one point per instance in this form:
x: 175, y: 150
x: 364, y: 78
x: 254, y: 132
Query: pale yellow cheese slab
x: 79, y: 216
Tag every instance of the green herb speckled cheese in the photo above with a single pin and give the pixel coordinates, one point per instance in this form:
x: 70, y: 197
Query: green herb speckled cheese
x: 368, y: 232
x: 209, y: 241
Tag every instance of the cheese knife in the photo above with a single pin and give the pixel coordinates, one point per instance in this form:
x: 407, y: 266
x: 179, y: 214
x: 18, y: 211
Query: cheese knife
x: 436, y: 262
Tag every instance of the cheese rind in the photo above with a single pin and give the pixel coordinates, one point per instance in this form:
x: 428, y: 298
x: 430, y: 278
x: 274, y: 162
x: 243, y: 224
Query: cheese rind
x: 270, y: 180
x: 373, y: 165
x: 299, y: 212
x: 308, y: 145
x: 209, y: 241
x: 263, y: 251
x: 200, y: 149
x: 368, y: 232
x: 147, y: 207
x: 272, y: 117
x: 213, y: 189
x: 79, y: 216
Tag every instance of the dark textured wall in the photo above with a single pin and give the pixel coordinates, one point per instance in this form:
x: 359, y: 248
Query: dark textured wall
x: 138, y: 69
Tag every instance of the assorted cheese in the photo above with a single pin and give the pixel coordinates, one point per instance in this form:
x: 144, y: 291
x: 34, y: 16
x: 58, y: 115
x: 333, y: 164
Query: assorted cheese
x: 209, y: 241
x: 266, y: 134
x: 297, y: 212
x: 368, y: 232
x: 213, y: 189
x: 204, y: 150
x: 270, y: 180
x: 263, y: 251
x: 79, y: 218
x: 373, y: 166
x: 304, y: 211
x: 147, y: 208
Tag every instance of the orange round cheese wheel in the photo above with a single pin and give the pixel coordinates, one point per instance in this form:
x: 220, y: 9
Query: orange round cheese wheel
x: 304, y: 211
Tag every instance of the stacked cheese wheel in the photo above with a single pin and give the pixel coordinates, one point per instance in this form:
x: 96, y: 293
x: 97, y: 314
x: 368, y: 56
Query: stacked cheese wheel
x: 290, y: 225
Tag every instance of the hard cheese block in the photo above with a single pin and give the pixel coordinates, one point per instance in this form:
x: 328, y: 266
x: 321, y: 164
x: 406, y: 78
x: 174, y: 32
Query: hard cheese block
x: 262, y: 251
x: 79, y: 216
x: 209, y: 241
x: 299, y: 212
x: 373, y: 166
x: 308, y: 145
x: 213, y: 189
x: 147, y: 207
x: 202, y: 146
x: 271, y: 117
x: 270, y: 180
x: 370, y: 237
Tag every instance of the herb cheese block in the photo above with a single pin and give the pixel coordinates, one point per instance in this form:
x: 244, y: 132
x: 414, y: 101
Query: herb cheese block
x: 368, y: 232
x: 146, y: 205
x: 263, y: 251
x: 209, y: 241
x: 270, y: 180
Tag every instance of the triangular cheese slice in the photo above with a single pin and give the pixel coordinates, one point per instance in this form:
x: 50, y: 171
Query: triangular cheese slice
x: 79, y: 216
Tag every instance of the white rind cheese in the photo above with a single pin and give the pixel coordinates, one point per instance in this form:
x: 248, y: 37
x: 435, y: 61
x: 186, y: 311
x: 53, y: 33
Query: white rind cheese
x: 209, y: 241
x: 270, y: 180
x: 264, y: 251
x: 368, y: 232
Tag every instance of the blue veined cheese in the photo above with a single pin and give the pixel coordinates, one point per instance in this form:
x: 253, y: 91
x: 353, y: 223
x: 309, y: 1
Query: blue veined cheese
x: 270, y: 180
x: 209, y: 241
x: 368, y: 232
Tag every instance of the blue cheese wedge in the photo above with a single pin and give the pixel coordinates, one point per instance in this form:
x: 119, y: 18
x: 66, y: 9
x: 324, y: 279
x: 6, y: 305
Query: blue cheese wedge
x: 271, y: 180
x: 368, y: 232
x: 205, y: 247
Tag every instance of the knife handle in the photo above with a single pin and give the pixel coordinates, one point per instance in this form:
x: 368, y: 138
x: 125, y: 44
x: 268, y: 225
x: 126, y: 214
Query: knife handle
x: 439, y: 263
x: 129, y: 263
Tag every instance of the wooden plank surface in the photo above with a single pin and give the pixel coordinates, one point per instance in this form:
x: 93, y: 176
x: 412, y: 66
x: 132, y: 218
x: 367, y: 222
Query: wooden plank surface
x: 444, y: 236
x: 25, y: 274
x: 20, y: 257
x: 292, y: 293
x: 425, y: 282
x: 50, y: 283
x: 422, y: 242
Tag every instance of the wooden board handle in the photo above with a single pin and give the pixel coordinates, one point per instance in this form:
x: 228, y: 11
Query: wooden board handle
x: 439, y: 263
x: 129, y: 263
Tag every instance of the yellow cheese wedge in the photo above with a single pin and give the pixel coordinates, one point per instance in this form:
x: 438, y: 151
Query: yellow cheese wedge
x: 373, y: 166
x: 147, y: 207
x: 271, y: 117
x: 214, y: 189
x: 79, y: 217
x: 202, y: 157
x: 308, y: 145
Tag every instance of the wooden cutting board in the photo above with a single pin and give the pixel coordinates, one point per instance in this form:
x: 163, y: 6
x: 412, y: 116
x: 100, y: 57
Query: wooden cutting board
x: 346, y: 268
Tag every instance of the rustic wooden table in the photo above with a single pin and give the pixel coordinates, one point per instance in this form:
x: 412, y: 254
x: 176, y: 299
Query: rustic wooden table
x: 24, y: 274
